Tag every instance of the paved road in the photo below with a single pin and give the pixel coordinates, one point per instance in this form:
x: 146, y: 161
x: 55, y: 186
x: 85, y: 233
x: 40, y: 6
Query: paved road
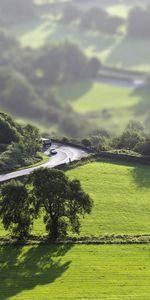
x: 64, y: 154
x: 130, y: 83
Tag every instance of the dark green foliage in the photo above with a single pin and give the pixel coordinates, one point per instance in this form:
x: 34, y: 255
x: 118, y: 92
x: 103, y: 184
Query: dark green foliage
x: 129, y: 140
x: 97, y: 19
x: 71, y: 13
x: 31, y: 140
x: 62, y: 63
x: 19, y: 144
x: 132, y: 136
x: 15, y: 209
x: 63, y: 201
x: 17, y: 95
x: 143, y: 147
x: 139, y: 22
x: 94, y: 66
x: 86, y: 142
x: 8, y: 130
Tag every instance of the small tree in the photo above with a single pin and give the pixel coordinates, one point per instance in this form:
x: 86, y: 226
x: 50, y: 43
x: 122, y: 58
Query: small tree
x: 15, y: 209
x: 31, y: 141
x: 86, y: 142
x: 63, y: 201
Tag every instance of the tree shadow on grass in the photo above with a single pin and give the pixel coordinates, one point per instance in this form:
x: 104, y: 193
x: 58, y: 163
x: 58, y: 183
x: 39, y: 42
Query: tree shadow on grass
x: 24, y: 268
x: 73, y: 91
x: 142, y: 109
x: 141, y: 175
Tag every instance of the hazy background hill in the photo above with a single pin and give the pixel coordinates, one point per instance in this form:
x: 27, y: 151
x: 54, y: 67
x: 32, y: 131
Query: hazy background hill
x: 51, y: 53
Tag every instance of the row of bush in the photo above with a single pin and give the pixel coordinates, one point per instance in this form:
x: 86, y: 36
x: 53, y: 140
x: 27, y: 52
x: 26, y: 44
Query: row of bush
x: 134, y: 141
x: 94, y: 19
x: 98, y: 19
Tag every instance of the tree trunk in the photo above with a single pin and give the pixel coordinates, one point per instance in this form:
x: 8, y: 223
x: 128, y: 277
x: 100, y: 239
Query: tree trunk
x: 54, y: 230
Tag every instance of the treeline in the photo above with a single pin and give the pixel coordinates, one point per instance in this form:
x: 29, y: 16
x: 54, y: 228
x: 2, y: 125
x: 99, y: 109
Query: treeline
x: 18, y: 144
x: 138, y: 22
x: 94, y: 19
x: 133, y: 141
x: 28, y: 79
x: 98, y: 19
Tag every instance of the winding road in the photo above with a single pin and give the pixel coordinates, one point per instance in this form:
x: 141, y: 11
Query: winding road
x: 120, y: 82
x: 64, y: 155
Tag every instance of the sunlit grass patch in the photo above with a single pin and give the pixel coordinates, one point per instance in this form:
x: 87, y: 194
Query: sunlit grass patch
x: 103, y: 96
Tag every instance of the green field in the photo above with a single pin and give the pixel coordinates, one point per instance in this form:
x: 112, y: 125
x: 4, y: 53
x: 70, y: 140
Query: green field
x: 106, y: 106
x: 99, y: 97
x: 75, y: 272
x: 121, y: 196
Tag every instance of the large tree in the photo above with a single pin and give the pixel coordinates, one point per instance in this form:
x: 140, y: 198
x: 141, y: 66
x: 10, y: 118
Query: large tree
x: 61, y: 200
x: 16, y: 209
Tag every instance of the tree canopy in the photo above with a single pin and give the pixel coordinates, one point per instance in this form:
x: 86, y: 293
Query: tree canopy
x: 15, y: 209
x: 138, y: 22
x: 63, y: 201
x: 49, y: 192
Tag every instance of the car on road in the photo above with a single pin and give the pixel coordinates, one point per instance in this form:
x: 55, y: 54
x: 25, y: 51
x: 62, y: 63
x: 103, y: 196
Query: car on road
x: 52, y: 151
x: 46, y: 142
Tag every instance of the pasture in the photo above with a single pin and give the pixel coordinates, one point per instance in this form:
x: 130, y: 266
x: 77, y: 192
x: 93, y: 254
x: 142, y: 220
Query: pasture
x: 75, y: 272
x: 121, y: 196
x: 105, y: 105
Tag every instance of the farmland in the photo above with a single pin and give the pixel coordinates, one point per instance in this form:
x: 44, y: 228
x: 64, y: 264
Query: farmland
x: 121, y: 206
x: 102, y: 262
x: 107, y: 106
x: 121, y: 199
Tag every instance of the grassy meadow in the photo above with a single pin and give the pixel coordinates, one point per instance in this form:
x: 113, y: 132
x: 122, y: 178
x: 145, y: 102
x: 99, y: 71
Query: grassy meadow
x: 121, y: 205
x: 75, y: 272
x: 97, y: 97
x: 105, y: 105
x: 121, y: 199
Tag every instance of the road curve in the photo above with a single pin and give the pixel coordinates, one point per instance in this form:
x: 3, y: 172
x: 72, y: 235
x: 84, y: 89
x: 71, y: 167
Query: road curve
x: 124, y: 83
x: 64, y: 155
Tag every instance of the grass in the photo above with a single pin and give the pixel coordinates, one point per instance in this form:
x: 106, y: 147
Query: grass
x: 81, y: 272
x: 103, y: 96
x: 44, y: 160
x: 38, y: 35
x: 120, y: 10
x: 121, y: 199
x: 106, y: 106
